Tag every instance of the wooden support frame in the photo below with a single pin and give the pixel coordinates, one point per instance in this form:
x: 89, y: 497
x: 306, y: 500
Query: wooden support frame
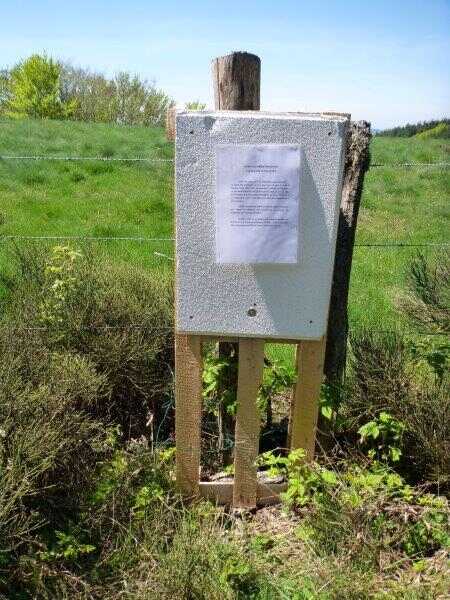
x: 246, y: 491
x: 250, y: 372
x: 188, y: 413
x: 309, y: 362
x: 236, y: 79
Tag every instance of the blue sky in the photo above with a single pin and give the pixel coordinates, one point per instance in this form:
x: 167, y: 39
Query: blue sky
x: 385, y: 61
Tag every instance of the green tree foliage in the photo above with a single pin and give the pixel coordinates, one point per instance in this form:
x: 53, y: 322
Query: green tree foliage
x: 34, y: 90
x: 40, y: 87
x: 411, y: 129
x: 124, y: 99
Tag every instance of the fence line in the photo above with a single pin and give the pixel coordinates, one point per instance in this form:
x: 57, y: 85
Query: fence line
x: 142, y: 239
x: 167, y: 329
x: 4, y: 238
x: 85, y: 238
x: 171, y: 160
x: 91, y: 328
x: 101, y: 158
x: 404, y: 245
x: 394, y: 165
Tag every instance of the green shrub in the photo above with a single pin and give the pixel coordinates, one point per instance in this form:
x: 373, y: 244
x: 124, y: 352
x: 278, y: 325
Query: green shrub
x: 87, y: 358
x: 49, y: 444
x: 34, y: 90
x: 440, y: 131
x: 385, y: 378
x: 305, y: 481
x: 428, y: 301
x: 120, y: 318
x: 367, y: 511
x: 384, y: 436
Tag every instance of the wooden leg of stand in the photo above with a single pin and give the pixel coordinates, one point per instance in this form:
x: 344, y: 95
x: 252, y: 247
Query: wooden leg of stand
x: 251, y: 364
x: 305, y: 397
x: 188, y: 413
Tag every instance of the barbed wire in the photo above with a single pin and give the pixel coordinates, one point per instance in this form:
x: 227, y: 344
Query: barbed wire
x: 80, y: 158
x: 171, y: 240
x: 85, y: 238
x: 144, y: 239
x: 131, y: 326
x: 168, y: 329
x: 394, y: 165
x: 171, y: 160
x: 404, y: 245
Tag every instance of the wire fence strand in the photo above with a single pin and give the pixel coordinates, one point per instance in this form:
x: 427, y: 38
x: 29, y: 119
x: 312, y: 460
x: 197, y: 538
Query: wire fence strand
x: 100, y: 158
x: 149, y: 329
x: 143, y: 239
x: 404, y: 245
x: 84, y: 238
x: 410, y: 165
x: 171, y: 160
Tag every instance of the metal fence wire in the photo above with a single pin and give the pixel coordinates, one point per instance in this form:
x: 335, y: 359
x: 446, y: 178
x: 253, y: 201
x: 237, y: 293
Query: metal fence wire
x: 156, y: 240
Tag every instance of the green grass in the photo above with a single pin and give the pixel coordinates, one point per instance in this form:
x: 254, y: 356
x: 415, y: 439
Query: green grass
x: 93, y: 512
x: 115, y: 199
x: 88, y: 198
x: 399, y: 205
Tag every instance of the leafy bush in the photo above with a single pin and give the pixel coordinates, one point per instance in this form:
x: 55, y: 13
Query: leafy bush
x: 385, y: 378
x: 40, y: 87
x: 375, y: 504
x: 305, y: 481
x: 195, y: 105
x: 118, y: 317
x: 440, y: 131
x: 384, y: 435
x: 87, y: 352
x: 49, y: 443
x: 428, y: 301
x: 125, y: 99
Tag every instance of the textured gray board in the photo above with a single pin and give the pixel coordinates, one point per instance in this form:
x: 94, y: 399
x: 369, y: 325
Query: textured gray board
x: 291, y: 301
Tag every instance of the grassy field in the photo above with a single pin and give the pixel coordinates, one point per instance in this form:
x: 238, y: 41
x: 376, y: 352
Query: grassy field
x: 407, y: 205
x: 95, y: 199
x: 88, y: 506
x: 119, y: 199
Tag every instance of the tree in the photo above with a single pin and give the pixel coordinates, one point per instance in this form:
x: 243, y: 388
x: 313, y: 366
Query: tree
x: 34, y: 88
x: 125, y: 99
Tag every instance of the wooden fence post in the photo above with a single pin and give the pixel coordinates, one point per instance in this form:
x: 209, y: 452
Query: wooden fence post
x: 237, y: 82
x: 356, y: 164
x: 170, y: 123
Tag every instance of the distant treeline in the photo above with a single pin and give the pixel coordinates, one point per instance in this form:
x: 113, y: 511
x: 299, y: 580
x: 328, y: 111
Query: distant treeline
x: 41, y: 87
x: 411, y: 129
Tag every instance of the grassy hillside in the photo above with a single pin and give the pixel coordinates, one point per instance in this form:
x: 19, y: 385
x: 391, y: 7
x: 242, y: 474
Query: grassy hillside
x: 440, y: 131
x: 119, y: 199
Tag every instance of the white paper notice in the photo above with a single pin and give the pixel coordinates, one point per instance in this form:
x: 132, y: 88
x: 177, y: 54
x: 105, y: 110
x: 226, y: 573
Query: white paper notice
x: 257, y: 203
